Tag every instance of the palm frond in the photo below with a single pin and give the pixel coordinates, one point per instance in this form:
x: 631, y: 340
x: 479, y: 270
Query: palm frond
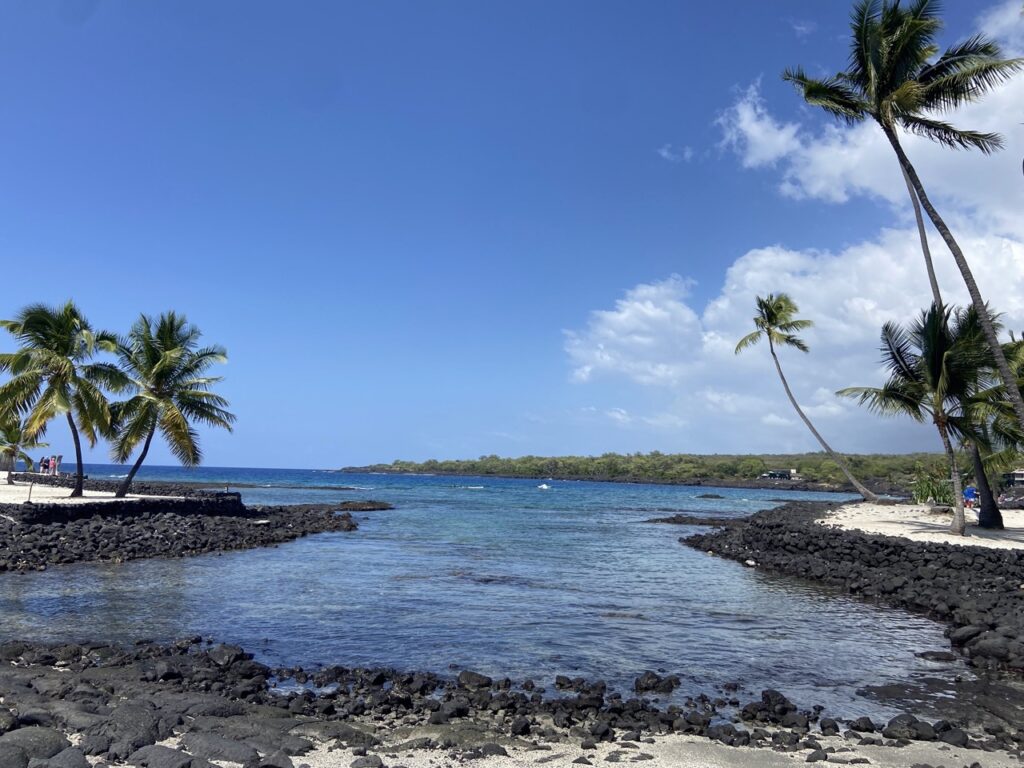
x: 949, y: 136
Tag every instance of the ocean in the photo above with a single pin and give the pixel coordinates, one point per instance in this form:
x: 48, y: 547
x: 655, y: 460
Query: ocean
x: 502, y: 577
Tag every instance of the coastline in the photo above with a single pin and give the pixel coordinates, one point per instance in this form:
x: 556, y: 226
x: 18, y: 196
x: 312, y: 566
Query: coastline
x: 215, y: 701
x: 753, y: 484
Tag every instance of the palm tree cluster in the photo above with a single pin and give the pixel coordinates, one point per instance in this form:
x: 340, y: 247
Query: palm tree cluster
x: 949, y: 365
x: 158, y: 365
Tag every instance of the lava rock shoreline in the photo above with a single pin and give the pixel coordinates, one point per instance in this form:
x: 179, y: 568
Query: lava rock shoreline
x: 160, y: 532
x: 185, y: 704
x: 977, y: 591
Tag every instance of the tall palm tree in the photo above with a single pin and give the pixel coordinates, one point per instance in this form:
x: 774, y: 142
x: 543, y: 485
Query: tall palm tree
x: 895, y: 79
x: 15, y: 443
x: 51, y: 375
x: 775, y: 321
x: 165, y: 368
x: 933, y: 372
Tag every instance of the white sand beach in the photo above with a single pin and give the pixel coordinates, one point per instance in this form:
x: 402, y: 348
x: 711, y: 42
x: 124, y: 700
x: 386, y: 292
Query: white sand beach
x: 50, y: 494
x: 920, y: 523
x: 676, y: 751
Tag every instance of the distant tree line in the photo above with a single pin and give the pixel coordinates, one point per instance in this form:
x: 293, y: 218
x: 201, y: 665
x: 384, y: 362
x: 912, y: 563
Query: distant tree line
x: 660, y: 467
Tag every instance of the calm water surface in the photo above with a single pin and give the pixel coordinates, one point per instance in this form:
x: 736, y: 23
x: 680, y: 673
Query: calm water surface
x: 498, y: 576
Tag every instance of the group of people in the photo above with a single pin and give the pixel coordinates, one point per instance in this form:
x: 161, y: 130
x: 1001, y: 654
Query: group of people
x: 50, y: 465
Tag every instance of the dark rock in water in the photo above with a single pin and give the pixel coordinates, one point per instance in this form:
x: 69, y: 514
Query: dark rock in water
x: 226, y: 655
x: 974, y: 589
x: 364, y: 506
x: 651, y: 681
x: 937, y: 656
x: 108, y: 532
x: 36, y: 742
x: 474, y: 680
x: 709, y: 496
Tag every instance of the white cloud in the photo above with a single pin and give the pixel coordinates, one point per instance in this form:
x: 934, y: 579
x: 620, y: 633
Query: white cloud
x: 727, y: 402
x: 835, y: 163
x: 1005, y: 22
x: 642, y: 337
x: 675, y: 154
x: 758, y: 138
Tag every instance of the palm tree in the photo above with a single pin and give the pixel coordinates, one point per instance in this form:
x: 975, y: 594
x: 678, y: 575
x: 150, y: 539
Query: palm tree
x: 775, y: 322
x: 15, y: 443
x: 51, y: 375
x: 895, y: 79
x: 994, y: 416
x: 933, y: 373
x: 165, y: 368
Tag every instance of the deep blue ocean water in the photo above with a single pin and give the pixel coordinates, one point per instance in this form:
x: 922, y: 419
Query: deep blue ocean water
x: 498, y: 576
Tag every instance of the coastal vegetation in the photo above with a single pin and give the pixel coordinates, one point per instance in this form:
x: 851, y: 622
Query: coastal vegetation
x: 165, y: 369
x: 777, y: 323
x: 15, y: 443
x: 656, y: 467
x: 934, y: 370
x: 54, y: 373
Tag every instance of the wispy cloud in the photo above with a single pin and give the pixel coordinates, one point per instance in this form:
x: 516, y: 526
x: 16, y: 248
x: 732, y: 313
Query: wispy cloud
x: 803, y: 28
x: 675, y: 154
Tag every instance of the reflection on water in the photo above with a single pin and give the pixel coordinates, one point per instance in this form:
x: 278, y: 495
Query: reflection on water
x: 504, y: 579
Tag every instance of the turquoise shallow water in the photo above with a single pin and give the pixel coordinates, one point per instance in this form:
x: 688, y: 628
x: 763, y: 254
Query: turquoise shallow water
x: 498, y: 576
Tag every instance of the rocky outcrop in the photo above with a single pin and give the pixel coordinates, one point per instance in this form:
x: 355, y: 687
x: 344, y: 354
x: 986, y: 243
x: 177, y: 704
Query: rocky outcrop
x: 978, y: 591
x: 107, y: 536
x: 221, y: 704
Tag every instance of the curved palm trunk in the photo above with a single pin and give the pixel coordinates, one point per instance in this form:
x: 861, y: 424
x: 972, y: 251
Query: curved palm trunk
x: 923, y: 234
x: 959, y: 525
x: 840, y: 462
x: 1009, y: 380
x: 123, y: 489
x: 989, y: 515
x: 79, y: 472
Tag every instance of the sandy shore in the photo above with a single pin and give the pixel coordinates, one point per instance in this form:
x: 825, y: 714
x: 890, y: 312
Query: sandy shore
x: 689, y: 752
x: 919, y: 523
x: 50, y: 494
x: 672, y: 751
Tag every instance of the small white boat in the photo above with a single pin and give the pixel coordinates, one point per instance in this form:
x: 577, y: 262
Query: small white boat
x: 544, y: 487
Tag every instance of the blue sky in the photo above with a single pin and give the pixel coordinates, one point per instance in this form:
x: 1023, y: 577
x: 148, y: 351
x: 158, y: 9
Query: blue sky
x: 401, y: 217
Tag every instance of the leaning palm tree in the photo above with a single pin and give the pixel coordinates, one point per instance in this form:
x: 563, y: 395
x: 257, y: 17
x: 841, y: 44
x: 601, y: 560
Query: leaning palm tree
x: 775, y: 322
x: 15, y: 443
x: 933, y: 372
x: 51, y: 375
x: 895, y: 79
x: 166, y: 370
